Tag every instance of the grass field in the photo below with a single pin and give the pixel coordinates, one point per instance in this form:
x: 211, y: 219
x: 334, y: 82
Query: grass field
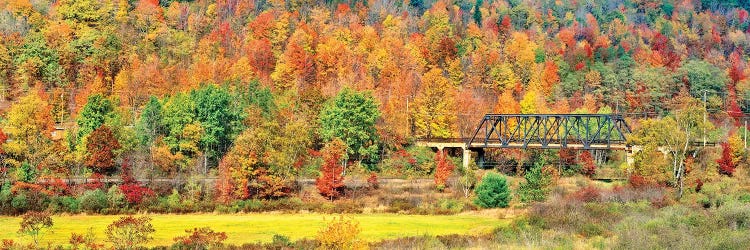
x: 249, y: 228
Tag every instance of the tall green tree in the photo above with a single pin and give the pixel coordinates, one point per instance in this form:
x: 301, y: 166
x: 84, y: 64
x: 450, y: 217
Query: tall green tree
x: 351, y: 117
x: 149, y: 125
x: 220, y: 116
x: 94, y: 114
x: 178, y: 111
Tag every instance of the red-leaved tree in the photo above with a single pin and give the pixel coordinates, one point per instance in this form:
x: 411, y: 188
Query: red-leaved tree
x: 101, y: 145
x: 331, y: 181
x: 443, y: 169
x: 726, y: 165
x: 131, y: 188
x: 589, y: 167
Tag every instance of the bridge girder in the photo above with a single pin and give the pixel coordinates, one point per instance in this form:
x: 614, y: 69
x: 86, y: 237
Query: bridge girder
x: 551, y: 131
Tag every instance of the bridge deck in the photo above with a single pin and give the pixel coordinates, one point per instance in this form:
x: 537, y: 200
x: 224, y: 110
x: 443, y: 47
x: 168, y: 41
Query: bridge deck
x: 462, y: 143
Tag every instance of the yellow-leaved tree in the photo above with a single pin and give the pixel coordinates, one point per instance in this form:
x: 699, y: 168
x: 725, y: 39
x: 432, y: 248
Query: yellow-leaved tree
x: 434, y: 108
x: 29, y: 127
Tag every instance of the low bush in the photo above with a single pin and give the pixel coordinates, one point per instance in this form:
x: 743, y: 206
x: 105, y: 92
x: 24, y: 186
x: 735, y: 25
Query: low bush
x: 340, y: 234
x: 64, y: 204
x: 93, y: 201
x: 200, y: 238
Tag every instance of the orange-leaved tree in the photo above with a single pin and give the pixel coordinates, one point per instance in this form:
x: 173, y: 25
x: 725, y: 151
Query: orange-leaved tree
x: 331, y: 181
x: 443, y: 169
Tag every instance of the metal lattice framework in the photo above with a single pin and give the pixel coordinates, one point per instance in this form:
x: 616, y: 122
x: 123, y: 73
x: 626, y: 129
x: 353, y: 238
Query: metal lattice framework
x: 550, y: 131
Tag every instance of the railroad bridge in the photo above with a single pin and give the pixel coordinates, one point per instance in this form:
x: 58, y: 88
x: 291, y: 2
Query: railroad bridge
x: 540, y: 131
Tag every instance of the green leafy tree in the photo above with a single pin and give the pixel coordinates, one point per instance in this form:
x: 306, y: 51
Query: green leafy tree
x: 37, y: 62
x: 178, y: 111
x: 704, y: 78
x: 351, y: 116
x: 97, y: 111
x: 220, y: 117
x: 537, y: 184
x: 149, y: 125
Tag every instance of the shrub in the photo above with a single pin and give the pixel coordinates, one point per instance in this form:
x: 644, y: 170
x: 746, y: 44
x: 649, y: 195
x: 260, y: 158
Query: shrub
x: 93, y: 201
x: 6, y: 196
x: 64, y: 204
x: 726, y: 164
x: 281, y: 241
x: 173, y: 201
x: 200, y: 238
x: 589, y: 167
x: 85, y: 241
x: 588, y: 194
x: 340, y: 234
x: 492, y: 191
x: 33, y: 224
x: 537, y: 184
x: 129, y: 232
x: 115, y: 197
x: 372, y: 181
x: 19, y: 202
x: 135, y: 193
x: 450, y: 206
x: 637, y: 181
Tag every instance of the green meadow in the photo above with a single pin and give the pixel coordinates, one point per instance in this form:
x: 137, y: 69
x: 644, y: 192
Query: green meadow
x: 250, y: 228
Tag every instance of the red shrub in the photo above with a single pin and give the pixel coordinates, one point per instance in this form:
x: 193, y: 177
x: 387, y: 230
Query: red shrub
x: 587, y: 194
x: 373, y: 181
x: 96, y: 183
x: 135, y: 193
x: 57, y: 186
x: 589, y: 167
x: 726, y: 165
x: 29, y: 187
x: 637, y: 181
x: 698, y: 185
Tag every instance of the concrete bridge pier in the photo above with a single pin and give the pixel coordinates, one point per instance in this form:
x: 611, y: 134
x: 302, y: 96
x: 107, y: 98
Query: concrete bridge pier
x: 466, y: 157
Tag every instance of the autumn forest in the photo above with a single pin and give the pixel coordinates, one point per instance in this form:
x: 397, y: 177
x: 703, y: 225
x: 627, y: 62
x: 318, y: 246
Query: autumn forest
x: 177, y: 108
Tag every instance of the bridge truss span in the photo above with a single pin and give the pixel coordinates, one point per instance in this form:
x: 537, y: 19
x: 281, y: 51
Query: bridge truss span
x: 551, y: 131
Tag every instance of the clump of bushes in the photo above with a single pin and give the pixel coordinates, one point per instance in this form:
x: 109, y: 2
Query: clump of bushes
x: 200, y: 238
x: 93, y: 201
x: 492, y: 191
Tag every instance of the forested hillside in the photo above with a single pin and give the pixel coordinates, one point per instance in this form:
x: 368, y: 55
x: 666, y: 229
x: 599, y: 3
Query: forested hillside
x: 255, y: 92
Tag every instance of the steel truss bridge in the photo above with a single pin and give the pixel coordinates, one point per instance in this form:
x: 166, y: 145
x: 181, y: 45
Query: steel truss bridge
x: 542, y: 131
x: 551, y: 131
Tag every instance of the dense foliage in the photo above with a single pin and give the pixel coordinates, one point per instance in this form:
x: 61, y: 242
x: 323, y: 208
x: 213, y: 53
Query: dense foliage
x: 492, y: 191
